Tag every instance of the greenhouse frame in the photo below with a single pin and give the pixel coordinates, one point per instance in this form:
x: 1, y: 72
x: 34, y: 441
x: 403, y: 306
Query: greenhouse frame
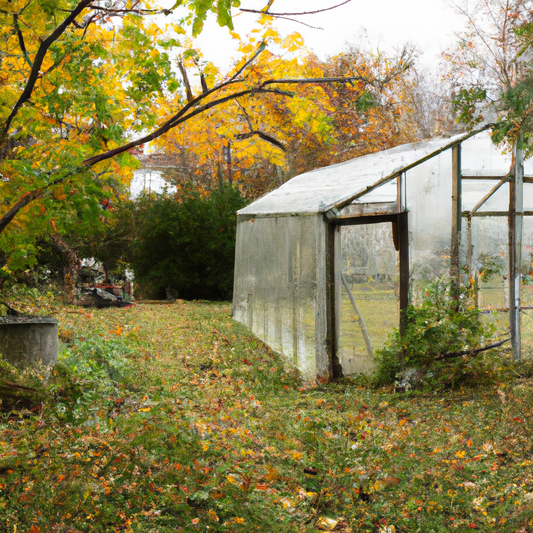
x: 326, y: 263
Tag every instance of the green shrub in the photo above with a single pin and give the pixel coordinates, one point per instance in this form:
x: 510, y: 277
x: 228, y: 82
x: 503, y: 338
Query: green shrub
x: 20, y: 389
x: 438, y: 325
x: 187, y: 246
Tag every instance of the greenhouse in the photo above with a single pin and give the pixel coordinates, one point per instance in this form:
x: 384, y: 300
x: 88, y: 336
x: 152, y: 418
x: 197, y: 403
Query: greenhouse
x: 326, y: 262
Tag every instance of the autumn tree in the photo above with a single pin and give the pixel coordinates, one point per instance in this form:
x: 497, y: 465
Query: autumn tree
x: 81, y: 85
x: 252, y: 140
x: 71, y: 87
x: 425, y: 107
x: 366, y: 117
x: 259, y: 143
x: 491, y: 67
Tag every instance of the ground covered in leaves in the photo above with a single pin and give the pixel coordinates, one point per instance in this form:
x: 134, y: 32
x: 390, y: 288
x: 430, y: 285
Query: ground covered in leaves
x: 171, y: 418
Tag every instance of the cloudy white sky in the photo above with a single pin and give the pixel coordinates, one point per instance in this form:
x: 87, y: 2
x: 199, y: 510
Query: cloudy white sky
x: 430, y: 24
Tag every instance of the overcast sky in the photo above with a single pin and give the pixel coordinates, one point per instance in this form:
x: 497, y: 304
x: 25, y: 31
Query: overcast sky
x: 430, y: 24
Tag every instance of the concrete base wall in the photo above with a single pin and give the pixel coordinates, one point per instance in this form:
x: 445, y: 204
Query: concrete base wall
x: 25, y: 341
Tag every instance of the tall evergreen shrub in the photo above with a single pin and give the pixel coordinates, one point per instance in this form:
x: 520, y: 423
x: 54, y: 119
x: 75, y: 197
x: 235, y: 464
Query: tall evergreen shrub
x: 186, y: 246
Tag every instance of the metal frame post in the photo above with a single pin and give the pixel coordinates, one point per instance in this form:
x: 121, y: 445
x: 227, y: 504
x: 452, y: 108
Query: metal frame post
x: 516, y: 219
x: 455, y: 267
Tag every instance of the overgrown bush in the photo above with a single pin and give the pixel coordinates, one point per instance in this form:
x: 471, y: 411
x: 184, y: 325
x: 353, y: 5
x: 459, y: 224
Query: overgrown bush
x: 20, y: 389
x: 186, y: 247
x: 85, y: 373
x: 435, y: 331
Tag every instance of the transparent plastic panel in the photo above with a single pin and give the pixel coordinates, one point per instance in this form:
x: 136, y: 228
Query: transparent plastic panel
x: 480, y: 156
x: 490, y: 249
x: 528, y: 196
x: 527, y: 285
x: 474, y: 191
x: 276, y: 284
x: 429, y: 202
x: 370, y: 271
x: 387, y: 192
x: 490, y: 269
x: 499, y: 201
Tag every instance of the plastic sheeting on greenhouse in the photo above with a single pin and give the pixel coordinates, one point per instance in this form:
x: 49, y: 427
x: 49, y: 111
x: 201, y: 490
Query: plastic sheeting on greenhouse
x: 325, y: 263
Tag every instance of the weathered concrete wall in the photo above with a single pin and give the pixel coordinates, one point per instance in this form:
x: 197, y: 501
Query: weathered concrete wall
x: 26, y: 340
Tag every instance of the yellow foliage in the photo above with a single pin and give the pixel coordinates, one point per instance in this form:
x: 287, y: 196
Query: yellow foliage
x: 292, y: 42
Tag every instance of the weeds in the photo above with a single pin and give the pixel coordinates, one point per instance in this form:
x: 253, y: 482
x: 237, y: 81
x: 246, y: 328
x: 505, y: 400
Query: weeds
x: 436, y: 331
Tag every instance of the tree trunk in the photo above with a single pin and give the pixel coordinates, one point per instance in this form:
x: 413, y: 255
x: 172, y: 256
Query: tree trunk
x: 71, y: 266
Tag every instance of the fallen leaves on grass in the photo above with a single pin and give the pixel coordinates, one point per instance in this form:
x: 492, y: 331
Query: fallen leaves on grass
x: 167, y: 418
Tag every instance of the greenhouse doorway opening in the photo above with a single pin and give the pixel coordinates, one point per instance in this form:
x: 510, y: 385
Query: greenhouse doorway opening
x: 371, y: 286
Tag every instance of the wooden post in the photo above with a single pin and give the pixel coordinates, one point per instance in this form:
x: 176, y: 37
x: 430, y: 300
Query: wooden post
x: 403, y: 233
x: 333, y: 315
x: 455, y: 269
x: 470, y: 245
x: 516, y: 217
x: 473, y: 275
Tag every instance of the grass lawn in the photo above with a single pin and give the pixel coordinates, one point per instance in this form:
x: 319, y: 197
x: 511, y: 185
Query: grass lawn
x: 174, y: 418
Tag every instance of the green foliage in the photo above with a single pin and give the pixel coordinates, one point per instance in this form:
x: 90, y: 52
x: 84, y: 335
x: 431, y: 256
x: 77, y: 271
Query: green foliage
x: 493, y: 70
x: 109, y: 242
x: 490, y: 265
x: 188, y: 246
x: 366, y: 101
x: 200, y: 8
x: 467, y: 104
x: 438, y: 325
x: 20, y: 389
x: 515, y: 124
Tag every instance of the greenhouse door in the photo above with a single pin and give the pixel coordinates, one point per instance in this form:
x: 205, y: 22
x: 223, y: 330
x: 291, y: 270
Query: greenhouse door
x: 371, y: 286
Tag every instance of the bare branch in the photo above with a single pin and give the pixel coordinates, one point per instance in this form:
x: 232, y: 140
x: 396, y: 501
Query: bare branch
x: 260, y: 49
x: 185, y: 77
x: 125, y: 11
x: 300, y: 22
x: 25, y: 200
x: 263, y: 136
x: 471, y: 352
x: 270, y: 14
x: 349, y: 80
x: 203, y: 83
x: 179, y: 119
x: 246, y: 116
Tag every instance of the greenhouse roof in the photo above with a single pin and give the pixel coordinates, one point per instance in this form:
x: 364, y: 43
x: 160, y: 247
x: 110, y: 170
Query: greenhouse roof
x: 320, y: 190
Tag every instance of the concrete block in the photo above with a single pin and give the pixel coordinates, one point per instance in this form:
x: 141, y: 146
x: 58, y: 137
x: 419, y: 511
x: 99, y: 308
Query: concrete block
x: 27, y: 340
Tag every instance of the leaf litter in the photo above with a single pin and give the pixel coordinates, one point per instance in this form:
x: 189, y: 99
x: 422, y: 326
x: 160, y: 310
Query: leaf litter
x: 174, y: 418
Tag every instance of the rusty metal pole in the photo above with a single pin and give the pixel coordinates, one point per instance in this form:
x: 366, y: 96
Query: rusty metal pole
x: 516, y: 217
x: 455, y: 268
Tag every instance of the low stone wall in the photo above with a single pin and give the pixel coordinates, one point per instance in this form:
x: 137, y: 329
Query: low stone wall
x: 27, y: 340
